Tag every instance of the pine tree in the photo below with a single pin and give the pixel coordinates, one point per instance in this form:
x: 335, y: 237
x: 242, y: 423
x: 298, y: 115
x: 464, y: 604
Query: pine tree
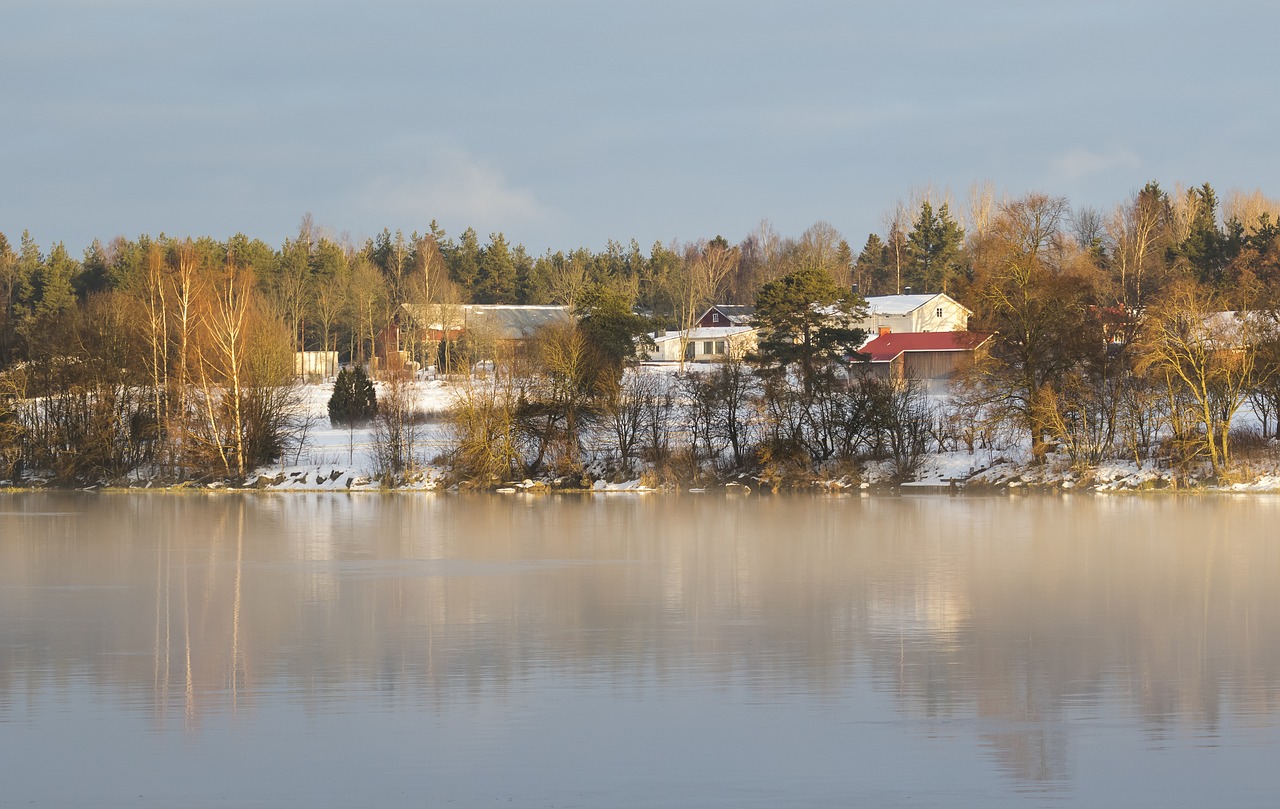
x: 807, y: 322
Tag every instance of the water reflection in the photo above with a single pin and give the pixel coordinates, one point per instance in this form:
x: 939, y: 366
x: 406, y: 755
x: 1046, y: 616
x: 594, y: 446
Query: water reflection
x: 1017, y: 622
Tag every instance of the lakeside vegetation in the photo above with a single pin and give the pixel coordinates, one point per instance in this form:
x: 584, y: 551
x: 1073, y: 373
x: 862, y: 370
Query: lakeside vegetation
x: 1138, y: 333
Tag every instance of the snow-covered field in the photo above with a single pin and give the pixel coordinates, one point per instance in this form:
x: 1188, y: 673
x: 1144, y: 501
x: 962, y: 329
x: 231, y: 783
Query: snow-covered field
x: 340, y: 458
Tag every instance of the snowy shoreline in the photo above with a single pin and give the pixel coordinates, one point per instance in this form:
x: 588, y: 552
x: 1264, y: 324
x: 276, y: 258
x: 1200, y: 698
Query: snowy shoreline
x: 335, y: 459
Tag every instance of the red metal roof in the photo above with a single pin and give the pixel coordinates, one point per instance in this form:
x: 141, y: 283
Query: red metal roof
x: 887, y: 347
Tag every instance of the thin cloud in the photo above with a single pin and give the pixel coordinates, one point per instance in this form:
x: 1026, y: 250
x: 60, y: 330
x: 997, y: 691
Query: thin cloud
x: 453, y: 185
x: 1078, y: 164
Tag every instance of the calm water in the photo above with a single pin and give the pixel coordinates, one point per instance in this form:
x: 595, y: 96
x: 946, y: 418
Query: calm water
x: 409, y: 650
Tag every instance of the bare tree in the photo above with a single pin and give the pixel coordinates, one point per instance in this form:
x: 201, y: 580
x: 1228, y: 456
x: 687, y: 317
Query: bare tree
x: 819, y: 247
x: 395, y: 430
x: 485, y: 435
x: 560, y: 406
x: 760, y: 261
x: 625, y: 401
x: 567, y: 278
x: 980, y: 210
x: 366, y: 299
x: 1135, y: 229
x: 898, y: 223
x: 1207, y: 359
x: 223, y: 363
x: 697, y: 281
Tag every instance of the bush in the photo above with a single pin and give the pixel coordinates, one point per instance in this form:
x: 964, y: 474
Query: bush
x: 354, y: 400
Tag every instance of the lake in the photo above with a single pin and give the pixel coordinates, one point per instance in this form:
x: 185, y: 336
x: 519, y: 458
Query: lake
x: 417, y: 650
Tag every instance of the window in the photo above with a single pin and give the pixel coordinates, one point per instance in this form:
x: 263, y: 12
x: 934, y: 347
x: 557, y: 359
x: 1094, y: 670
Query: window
x: 706, y: 347
x: 719, y: 346
x: 715, y: 317
x: 939, y: 313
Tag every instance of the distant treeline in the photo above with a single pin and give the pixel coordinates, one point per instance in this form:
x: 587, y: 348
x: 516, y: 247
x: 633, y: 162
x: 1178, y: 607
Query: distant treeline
x: 175, y: 354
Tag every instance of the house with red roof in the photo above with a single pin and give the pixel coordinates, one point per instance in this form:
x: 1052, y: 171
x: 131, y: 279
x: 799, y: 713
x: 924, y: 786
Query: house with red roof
x: 932, y: 357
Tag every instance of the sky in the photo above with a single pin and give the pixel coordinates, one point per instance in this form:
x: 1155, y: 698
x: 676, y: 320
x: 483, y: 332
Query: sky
x: 565, y: 124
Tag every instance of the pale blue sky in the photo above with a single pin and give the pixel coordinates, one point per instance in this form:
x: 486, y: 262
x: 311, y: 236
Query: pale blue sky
x: 569, y: 123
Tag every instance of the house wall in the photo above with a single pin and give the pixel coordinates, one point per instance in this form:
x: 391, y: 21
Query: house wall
x: 934, y: 369
x: 954, y: 317
x: 323, y: 364
x: 704, y: 349
x: 935, y: 364
x: 714, y: 320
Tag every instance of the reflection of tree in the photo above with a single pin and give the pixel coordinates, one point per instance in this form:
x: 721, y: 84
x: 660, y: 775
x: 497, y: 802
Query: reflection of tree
x: 1013, y: 618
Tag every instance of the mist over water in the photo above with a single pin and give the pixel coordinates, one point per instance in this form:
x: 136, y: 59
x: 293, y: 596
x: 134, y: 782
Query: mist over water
x: 424, y: 650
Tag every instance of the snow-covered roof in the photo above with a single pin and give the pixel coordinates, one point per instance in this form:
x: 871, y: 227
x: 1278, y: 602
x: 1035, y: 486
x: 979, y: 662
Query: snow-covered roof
x: 902, y: 304
x: 739, y: 315
x: 710, y: 333
x: 507, y: 322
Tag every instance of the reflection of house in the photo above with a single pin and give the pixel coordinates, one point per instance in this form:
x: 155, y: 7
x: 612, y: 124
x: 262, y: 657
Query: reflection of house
x: 914, y: 313
x: 418, y: 326
x: 704, y: 344
x: 932, y: 357
x: 723, y: 315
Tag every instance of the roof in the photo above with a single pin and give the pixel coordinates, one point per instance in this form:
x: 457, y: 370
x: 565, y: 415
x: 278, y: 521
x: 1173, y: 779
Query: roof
x: 888, y: 347
x: 737, y: 314
x: 904, y: 304
x: 515, y: 322
x: 508, y: 322
x: 710, y: 333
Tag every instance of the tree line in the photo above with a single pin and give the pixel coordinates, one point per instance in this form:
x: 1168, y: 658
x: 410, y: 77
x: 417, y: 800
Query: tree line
x: 175, y: 355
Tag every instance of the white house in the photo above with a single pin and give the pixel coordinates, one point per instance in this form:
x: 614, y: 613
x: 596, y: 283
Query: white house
x: 704, y: 344
x: 897, y: 314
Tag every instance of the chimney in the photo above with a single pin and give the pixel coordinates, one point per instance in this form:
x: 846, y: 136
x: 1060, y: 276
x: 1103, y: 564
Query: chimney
x: 906, y: 290
x: 855, y: 287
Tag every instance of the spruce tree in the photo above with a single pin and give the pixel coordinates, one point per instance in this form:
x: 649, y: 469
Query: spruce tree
x: 934, y: 247
x: 354, y: 400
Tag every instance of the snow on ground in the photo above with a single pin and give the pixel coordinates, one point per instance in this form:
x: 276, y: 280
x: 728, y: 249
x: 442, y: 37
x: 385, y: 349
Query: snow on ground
x: 334, y: 457
x: 340, y: 458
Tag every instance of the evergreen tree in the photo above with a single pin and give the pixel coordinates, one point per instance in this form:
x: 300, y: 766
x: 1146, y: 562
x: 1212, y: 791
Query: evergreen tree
x: 496, y: 280
x: 95, y: 271
x: 30, y: 264
x: 52, y: 282
x: 873, y: 270
x: 8, y: 297
x: 806, y: 321
x: 844, y: 261
x: 354, y: 400
x: 934, y: 248
x: 1207, y: 250
x: 524, y: 271
x: 464, y: 261
x: 611, y: 327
